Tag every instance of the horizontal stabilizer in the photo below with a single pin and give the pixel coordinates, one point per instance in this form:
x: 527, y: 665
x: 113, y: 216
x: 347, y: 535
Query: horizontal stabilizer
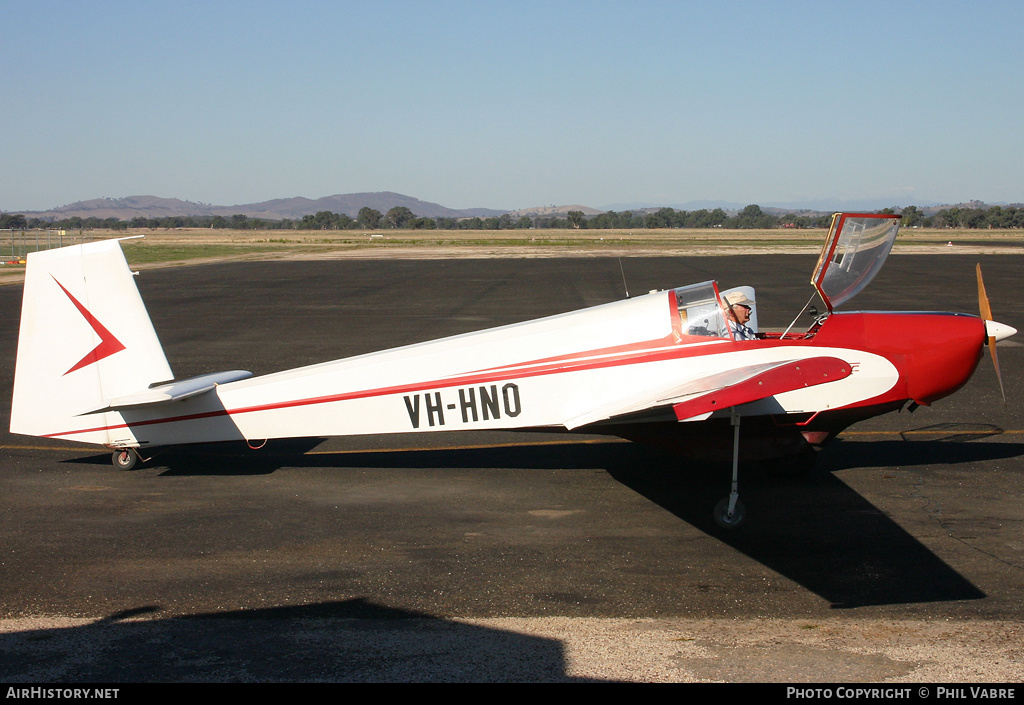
x: 778, y: 379
x: 172, y: 391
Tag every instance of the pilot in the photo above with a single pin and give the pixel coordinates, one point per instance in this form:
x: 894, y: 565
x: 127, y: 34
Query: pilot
x: 737, y: 313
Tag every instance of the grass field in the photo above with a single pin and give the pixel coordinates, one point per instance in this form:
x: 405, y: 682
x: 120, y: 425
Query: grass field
x: 191, y: 245
x: 180, y: 245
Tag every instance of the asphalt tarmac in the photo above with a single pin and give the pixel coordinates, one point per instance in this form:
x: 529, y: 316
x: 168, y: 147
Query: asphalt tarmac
x: 510, y: 557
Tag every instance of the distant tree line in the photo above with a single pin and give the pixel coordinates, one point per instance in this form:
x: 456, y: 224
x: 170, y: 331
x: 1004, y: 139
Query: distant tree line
x: 400, y: 218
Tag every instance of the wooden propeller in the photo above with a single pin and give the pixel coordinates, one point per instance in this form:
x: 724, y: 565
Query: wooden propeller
x: 986, y: 314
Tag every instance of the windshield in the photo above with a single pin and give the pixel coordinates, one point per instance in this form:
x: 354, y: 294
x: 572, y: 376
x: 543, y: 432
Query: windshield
x: 855, y: 250
x: 700, y: 313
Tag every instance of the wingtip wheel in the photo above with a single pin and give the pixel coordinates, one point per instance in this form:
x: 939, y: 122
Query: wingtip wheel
x: 125, y: 459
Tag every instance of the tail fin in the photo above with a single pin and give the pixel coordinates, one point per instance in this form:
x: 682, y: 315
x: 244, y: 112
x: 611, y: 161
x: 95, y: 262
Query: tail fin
x: 85, y: 338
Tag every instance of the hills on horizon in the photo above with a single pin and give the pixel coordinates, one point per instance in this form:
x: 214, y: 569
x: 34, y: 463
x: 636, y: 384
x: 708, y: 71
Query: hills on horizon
x: 383, y: 201
x: 275, y: 209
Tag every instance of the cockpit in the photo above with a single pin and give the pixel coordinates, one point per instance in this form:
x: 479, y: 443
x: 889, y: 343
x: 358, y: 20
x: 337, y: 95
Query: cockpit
x: 856, y: 247
x: 704, y: 312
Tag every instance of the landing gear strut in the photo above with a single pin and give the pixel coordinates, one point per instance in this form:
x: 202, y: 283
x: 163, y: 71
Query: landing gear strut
x: 730, y: 511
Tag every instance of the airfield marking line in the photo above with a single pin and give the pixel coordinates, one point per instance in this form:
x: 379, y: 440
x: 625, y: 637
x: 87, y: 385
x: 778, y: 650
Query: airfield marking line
x: 76, y: 448
x: 526, y: 444
x: 943, y: 432
x: 481, y: 446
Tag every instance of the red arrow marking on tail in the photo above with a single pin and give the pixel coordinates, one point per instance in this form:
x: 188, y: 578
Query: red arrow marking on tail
x: 108, y: 343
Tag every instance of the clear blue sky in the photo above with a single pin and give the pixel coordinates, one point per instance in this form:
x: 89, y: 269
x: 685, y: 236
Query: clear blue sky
x: 511, y: 104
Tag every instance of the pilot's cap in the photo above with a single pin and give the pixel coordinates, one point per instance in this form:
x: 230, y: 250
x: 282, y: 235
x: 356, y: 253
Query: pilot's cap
x: 737, y: 298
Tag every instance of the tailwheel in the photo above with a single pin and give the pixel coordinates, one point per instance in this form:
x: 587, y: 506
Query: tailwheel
x: 125, y: 459
x: 729, y: 519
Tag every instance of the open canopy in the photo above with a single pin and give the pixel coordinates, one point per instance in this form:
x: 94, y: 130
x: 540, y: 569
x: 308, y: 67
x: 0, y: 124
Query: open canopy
x: 854, y: 251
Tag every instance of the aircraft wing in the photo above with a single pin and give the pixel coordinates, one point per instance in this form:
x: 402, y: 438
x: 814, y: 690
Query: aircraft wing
x: 700, y: 397
x: 748, y: 387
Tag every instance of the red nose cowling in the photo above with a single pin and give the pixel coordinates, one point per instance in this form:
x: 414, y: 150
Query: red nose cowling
x: 936, y: 353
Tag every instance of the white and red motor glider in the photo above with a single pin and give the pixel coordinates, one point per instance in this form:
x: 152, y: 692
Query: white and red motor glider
x: 671, y: 367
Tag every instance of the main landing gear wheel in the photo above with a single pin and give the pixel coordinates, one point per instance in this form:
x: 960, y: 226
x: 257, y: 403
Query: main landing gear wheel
x: 726, y: 520
x: 125, y: 459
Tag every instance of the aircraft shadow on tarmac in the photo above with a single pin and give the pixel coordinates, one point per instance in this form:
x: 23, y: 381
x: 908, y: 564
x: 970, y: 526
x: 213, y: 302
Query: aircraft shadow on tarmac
x: 344, y: 641
x: 815, y: 530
